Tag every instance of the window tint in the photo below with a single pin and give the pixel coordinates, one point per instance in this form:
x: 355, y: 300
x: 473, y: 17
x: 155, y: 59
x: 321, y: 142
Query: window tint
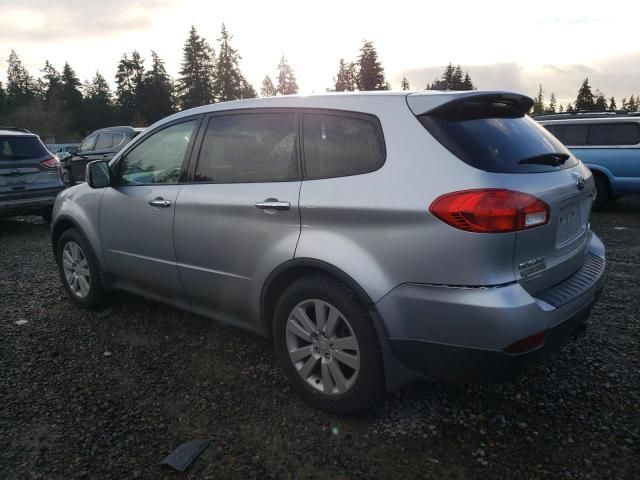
x: 570, y: 134
x: 88, y: 143
x: 501, y: 144
x: 158, y: 159
x: 104, y: 141
x: 614, y: 134
x: 20, y: 148
x: 338, y: 145
x: 258, y: 147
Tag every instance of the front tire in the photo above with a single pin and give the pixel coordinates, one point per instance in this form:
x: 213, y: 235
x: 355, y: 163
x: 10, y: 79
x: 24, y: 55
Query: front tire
x: 79, y: 270
x: 603, y: 192
x: 327, y: 345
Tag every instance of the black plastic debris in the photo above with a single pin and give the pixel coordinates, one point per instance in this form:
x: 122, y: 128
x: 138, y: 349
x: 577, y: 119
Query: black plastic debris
x: 185, y: 454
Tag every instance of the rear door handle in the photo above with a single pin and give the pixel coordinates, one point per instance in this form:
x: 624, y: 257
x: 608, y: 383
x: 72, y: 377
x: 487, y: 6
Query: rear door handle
x: 160, y: 202
x: 273, y: 204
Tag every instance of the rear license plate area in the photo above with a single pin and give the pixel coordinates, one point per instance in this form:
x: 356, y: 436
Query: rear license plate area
x: 572, y: 221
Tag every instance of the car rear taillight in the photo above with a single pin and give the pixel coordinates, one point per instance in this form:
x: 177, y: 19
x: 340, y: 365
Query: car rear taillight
x: 490, y: 210
x: 528, y: 343
x: 52, y: 162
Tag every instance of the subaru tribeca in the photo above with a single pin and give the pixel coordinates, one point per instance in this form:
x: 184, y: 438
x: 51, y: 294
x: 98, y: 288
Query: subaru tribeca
x: 377, y: 238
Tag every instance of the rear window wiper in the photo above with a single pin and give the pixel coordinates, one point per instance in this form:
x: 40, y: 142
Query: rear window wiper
x: 552, y: 159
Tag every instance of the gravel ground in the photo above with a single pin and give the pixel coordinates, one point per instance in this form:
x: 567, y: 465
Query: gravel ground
x: 108, y: 394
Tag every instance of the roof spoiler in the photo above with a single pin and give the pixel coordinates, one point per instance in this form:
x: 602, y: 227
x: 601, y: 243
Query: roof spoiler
x: 463, y: 104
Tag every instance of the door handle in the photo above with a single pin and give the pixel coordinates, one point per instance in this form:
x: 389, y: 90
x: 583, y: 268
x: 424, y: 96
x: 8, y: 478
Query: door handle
x: 273, y: 204
x: 160, y: 202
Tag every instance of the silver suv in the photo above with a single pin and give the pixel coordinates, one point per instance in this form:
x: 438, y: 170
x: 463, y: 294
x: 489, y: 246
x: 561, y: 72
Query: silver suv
x: 376, y: 238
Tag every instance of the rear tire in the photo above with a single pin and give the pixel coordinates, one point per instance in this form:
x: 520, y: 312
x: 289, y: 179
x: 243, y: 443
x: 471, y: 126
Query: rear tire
x: 603, y: 192
x: 334, y: 363
x: 79, y: 270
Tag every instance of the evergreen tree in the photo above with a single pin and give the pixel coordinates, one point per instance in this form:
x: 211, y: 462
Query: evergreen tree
x: 247, y: 90
x: 586, y: 98
x: 538, y: 103
x: 569, y: 107
x: 553, y: 104
x: 268, y: 89
x: 612, y: 104
x: 229, y: 82
x: 51, y: 86
x: 129, y: 77
x: 155, y: 97
x: 600, y: 101
x: 404, y: 85
x: 287, y: 84
x: 370, y: 72
x: 197, y: 73
x: 98, y: 104
x: 3, y: 101
x: 561, y: 109
x: 341, y: 77
x: 71, y: 94
x: 21, y: 87
x: 624, y: 103
x: 452, y: 79
x: 467, y: 84
x: 631, y: 106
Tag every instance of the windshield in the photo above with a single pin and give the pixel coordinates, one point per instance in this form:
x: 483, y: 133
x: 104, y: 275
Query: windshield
x: 21, y: 148
x: 501, y: 144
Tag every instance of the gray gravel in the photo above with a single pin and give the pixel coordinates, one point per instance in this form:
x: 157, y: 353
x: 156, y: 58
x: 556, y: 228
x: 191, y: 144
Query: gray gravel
x: 108, y: 394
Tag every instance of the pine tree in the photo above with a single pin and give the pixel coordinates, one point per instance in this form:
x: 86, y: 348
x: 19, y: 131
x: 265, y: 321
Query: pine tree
x: 370, y: 72
x: 569, y: 107
x: 586, y: 98
x: 612, y: 104
x: 341, y: 77
x: 268, y: 89
x: 553, y: 104
x: 452, y: 79
x: 467, y: 84
x: 71, y: 96
x: 538, y: 103
x: 247, y: 90
x: 51, y: 86
x: 404, y: 84
x: 561, y: 109
x: 98, y: 104
x: 600, y: 102
x: 21, y: 87
x: 197, y: 73
x: 154, y: 99
x: 3, y: 101
x: 287, y: 84
x: 229, y: 82
x: 623, y: 103
x: 129, y: 77
x: 631, y: 106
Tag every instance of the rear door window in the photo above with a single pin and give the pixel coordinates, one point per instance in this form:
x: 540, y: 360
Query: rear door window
x: 573, y: 135
x: 248, y: 148
x: 614, y: 134
x: 337, y: 145
x: 105, y: 140
x: 498, y: 138
x: 88, y: 143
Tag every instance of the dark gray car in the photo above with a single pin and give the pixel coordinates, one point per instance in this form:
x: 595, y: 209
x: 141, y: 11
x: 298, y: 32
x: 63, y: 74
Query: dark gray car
x: 30, y: 175
x: 102, y: 144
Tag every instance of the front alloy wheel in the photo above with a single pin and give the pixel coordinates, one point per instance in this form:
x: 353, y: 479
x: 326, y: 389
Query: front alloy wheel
x: 76, y: 269
x: 323, y: 347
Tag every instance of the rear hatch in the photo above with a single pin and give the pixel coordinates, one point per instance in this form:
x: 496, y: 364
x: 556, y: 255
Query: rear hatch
x: 491, y: 132
x: 26, y: 165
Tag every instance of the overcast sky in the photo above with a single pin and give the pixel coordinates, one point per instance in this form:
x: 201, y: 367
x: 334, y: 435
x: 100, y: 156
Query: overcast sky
x: 511, y: 45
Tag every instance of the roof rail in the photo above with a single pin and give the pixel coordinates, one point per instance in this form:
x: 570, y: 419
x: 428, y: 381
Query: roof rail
x: 15, y: 129
x: 585, y: 114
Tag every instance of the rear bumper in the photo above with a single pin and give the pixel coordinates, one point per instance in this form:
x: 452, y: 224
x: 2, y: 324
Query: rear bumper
x: 460, y: 334
x: 27, y: 202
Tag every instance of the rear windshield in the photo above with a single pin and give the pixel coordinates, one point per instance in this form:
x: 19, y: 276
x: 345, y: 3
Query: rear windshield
x: 499, y: 142
x: 21, y: 148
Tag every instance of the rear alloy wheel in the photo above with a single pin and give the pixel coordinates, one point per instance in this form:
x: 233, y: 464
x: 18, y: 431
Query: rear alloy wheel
x: 327, y: 345
x: 79, y: 270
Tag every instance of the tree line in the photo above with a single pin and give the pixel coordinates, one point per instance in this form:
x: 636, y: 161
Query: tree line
x: 58, y: 105
x: 586, y: 100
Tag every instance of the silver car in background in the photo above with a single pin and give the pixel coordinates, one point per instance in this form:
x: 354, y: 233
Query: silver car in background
x: 377, y: 238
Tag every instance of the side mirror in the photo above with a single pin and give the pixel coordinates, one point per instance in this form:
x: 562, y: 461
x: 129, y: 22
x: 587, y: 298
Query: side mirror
x: 98, y: 174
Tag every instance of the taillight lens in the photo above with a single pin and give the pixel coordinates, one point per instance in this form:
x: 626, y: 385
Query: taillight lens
x: 52, y: 162
x: 490, y: 210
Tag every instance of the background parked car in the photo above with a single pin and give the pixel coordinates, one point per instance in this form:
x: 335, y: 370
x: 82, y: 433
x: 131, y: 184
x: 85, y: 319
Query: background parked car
x: 66, y: 150
x: 607, y: 142
x: 30, y: 175
x: 102, y: 144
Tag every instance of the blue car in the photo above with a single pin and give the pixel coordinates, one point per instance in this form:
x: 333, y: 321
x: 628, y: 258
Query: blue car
x: 606, y: 142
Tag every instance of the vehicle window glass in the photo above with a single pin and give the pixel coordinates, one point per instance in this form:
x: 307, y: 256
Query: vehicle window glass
x: 338, y: 145
x: 257, y: 147
x: 117, y: 139
x: 20, y: 148
x: 159, y: 157
x: 104, y: 141
x: 570, y: 134
x: 614, y: 134
x: 88, y: 143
